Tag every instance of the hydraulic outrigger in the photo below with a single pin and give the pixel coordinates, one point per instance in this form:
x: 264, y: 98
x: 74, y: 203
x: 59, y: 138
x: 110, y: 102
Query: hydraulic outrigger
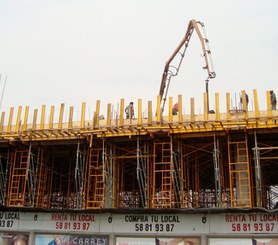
x: 170, y: 70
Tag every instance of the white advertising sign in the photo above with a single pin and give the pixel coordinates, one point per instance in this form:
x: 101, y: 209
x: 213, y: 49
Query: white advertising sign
x: 152, y: 224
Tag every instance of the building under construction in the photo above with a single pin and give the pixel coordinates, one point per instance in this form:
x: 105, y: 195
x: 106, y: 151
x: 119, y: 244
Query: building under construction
x: 142, y: 176
x: 184, y: 161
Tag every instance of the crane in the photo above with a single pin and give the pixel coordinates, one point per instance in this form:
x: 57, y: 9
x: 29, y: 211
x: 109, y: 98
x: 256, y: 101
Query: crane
x: 170, y: 70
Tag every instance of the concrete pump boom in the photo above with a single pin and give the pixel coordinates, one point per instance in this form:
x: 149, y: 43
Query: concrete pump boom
x: 170, y: 70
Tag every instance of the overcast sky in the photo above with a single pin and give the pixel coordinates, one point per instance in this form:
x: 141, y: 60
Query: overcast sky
x: 69, y: 51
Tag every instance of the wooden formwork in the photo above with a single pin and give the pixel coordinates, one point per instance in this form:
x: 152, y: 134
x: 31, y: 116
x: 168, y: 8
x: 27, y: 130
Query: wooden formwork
x: 185, y: 161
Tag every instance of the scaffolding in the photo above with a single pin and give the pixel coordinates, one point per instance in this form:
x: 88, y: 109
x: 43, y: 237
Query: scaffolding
x: 4, y: 167
x: 141, y: 174
x: 18, y: 178
x: 96, y: 179
x: 184, y: 161
x: 162, y: 192
x: 265, y: 171
x: 239, y: 169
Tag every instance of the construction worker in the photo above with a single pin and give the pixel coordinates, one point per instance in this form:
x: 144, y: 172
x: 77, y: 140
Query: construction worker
x: 246, y: 98
x: 175, y: 109
x: 273, y: 100
x: 129, y: 111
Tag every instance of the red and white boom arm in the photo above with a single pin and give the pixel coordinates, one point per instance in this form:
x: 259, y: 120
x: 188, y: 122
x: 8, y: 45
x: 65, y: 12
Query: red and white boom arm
x: 170, y: 70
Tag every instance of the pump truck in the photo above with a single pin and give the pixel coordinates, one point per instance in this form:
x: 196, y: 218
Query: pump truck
x: 171, y: 70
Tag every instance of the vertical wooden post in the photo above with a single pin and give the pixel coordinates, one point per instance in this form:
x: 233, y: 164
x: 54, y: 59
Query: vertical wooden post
x: 122, y: 108
x: 61, y: 114
x: 180, y: 108
x: 150, y: 113
x: 42, y: 117
x: 25, y: 121
x: 108, y: 120
x: 35, y: 115
x: 158, y: 109
x: 217, y: 113
x: 192, y: 110
x: 18, y: 119
x: 2, y: 121
x: 50, y: 125
x: 70, y: 124
x: 205, y: 106
x: 228, y: 106
x: 10, y: 120
x: 82, y: 122
x: 269, y: 111
x: 256, y: 103
x: 96, y: 115
x: 170, y: 110
x: 139, y: 120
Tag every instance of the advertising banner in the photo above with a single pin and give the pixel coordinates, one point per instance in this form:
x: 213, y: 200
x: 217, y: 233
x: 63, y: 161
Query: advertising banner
x: 243, y: 241
x: 59, y: 239
x: 157, y: 241
x: 149, y: 224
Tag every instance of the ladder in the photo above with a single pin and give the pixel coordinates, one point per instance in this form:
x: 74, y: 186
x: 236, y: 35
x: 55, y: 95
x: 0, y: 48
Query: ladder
x: 162, y: 176
x: 95, y: 187
x: 18, y: 178
x: 239, y: 173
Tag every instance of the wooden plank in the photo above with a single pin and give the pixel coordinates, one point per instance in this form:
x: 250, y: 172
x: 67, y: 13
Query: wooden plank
x: 228, y: 106
x: 121, y: 119
x: 42, y: 117
x: 82, y: 122
x: 61, y: 114
x: 25, y: 120
x: 158, y: 109
x: 180, y: 117
x: 150, y: 113
x: 256, y: 103
x: 2, y: 121
x: 139, y: 120
x: 205, y: 106
x: 170, y: 110
x: 18, y: 119
x: 217, y: 112
x: 50, y: 124
x: 34, y: 124
x: 10, y: 119
x: 70, y: 123
x: 108, y: 120
x: 96, y: 115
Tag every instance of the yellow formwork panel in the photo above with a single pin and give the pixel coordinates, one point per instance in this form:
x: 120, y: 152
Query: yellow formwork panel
x: 153, y: 120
